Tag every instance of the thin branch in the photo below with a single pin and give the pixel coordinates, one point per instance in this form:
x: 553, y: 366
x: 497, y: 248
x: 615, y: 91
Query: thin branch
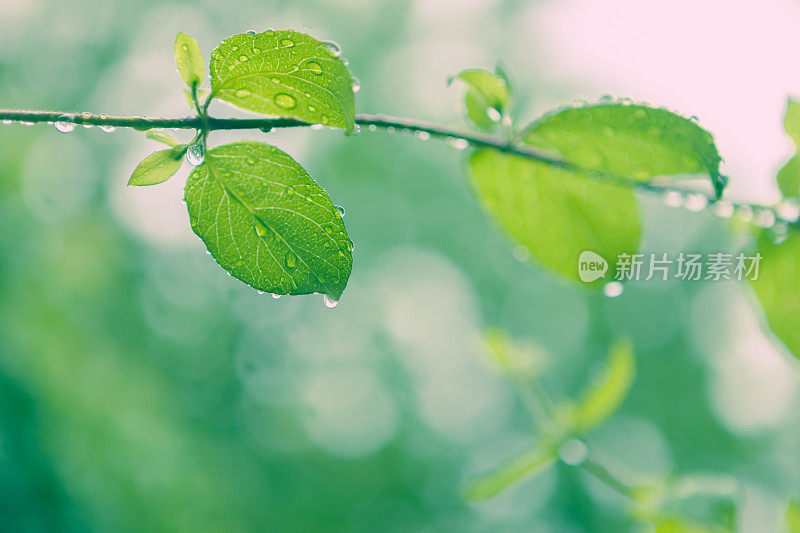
x: 421, y: 129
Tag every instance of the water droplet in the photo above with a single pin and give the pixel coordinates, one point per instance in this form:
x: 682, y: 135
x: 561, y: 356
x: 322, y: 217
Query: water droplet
x: 276, y: 296
x: 314, y: 67
x: 744, y: 213
x: 521, y: 253
x: 7, y: 121
x: 63, y: 126
x: 195, y: 155
x: 86, y: 116
x: 256, y: 50
x: 340, y: 209
x: 29, y: 123
x: 275, y: 80
x: 241, y: 93
x: 696, y: 202
x: 108, y: 129
x: 422, y: 135
x: 250, y: 32
x: 573, y: 452
x: 373, y: 127
x: 329, y: 302
x: 780, y: 232
x: 324, y: 119
x: 185, y: 48
x: 286, y: 101
x: 458, y: 144
x: 334, y: 48
x: 356, y: 130
x: 290, y: 190
x: 612, y: 289
x: 346, y: 62
x: 242, y: 57
x: 317, y: 126
x: 251, y: 160
x: 764, y: 218
x: 788, y: 210
x: 389, y: 129
x: 673, y: 198
x: 312, y: 108
x: 291, y: 260
x: 722, y: 208
x: 356, y: 85
x: 287, y: 43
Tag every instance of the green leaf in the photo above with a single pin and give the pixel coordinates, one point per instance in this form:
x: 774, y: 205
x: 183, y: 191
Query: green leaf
x: 487, y: 96
x: 158, y: 167
x: 284, y: 74
x: 162, y: 137
x: 267, y: 223
x: 522, y: 467
x: 778, y: 287
x: 793, y: 516
x: 789, y: 178
x: 632, y: 141
x: 189, y: 60
x: 555, y: 213
x: 607, y: 392
x: 789, y: 175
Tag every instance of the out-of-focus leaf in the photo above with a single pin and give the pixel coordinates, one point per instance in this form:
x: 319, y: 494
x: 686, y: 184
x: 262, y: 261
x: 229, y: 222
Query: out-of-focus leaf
x: 284, y: 74
x: 677, y: 525
x: 189, y: 59
x: 521, y: 467
x: 608, y: 390
x: 778, y: 287
x: 267, y: 222
x: 506, y: 353
x: 633, y: 141
x: 162, y: 137
x: 793, y: 516
x: 789, y: 175
x: 158, y: 167
x: 555, y: 213
x: 487, y: 96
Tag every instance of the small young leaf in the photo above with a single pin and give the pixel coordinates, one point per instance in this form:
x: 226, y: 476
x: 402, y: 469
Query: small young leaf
x: 487, y: 96
x: 524, y: 466
x: 189, y: 60
x: 778, y: 287
x: 632, y: 141
x: 162, y: 137
x: 284, y: 74
x: 189, y: 98
x: 267, y: 223
x: 556, y: 214
x: 791, y: 122
x: 158, y: 167
x: 608, y: 390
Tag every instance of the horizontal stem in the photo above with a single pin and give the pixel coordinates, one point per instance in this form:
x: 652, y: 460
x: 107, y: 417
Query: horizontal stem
x: 384, y: 122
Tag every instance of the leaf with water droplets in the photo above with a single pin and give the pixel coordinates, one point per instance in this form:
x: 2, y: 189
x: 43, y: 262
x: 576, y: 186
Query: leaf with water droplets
x: 629, y: 140
x: 487, y: 96
x: 266, y: 221
x: 189, y: 60
x: 284, y: 74
x: 778, y: 287
x: 556, y: 213
x: 158, y: 167
x: 607, y: 392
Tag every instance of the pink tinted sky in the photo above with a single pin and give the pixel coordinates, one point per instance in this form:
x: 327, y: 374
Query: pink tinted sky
x: 730, y: 63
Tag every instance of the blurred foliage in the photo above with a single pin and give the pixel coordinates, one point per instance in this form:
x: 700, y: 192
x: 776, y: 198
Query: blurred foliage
x: 142, y: 390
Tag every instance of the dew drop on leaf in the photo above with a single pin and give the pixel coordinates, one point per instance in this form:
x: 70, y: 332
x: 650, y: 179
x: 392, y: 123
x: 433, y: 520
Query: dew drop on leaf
x: 287, y: 43
x: 291, y: 261
x: 241, y: 93
x: 251, y: 160
x: 195, y: 155
x: 242, y: 58
x: 286, y: 101
x: 723, y: 209
x: 356, y: 85
x: 334, y: 47
x: 275, y: 296
x: 340, y: 209
x: 7, y: 121
x: 314, y: 67
x: 329, y: 302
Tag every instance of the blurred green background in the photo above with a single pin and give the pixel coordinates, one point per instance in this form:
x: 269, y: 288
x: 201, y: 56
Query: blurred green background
x: 142, y: 389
